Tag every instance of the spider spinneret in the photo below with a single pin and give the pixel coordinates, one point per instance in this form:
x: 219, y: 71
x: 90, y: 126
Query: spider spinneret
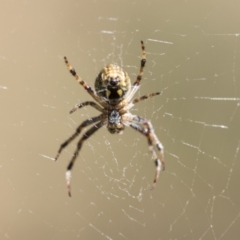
x: 114, y: 96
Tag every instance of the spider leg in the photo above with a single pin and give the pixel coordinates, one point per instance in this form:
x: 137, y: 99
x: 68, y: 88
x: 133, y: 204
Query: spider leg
x: 129, y: 105
x: 142, y: 65
x: 78, y: 131
x: 140, y: 74
x: 152, y: 140
x: 86, y: 135
x: 83, y: 83
x: 152, y: 136
x: 144, y: 97
x: 87, y: 103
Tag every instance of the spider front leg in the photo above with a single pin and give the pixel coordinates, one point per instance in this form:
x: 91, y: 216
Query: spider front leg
x: 86, y: 135
x: 78, y: 131
x: 148, y: 132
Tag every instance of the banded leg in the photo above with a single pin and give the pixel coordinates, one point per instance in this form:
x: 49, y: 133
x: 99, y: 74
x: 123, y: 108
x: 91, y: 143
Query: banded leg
x: 78, y: 131
x: 87, y: 103
x: 83, y: 83
x: 144, y: 97
x: 86, y: 135
x: 140, y: 74
x: 151, y: 136
x: 143, y: 62
x: 152, y: 141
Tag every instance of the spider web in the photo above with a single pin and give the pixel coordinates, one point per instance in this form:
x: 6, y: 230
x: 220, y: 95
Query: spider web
x: 192, y: 58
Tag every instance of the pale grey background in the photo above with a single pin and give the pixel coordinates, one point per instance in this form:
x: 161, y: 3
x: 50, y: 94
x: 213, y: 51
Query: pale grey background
x: 193, y: 52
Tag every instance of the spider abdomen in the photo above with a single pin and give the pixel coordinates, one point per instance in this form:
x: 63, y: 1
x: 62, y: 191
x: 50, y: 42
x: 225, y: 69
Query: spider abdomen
x: 112, y: 83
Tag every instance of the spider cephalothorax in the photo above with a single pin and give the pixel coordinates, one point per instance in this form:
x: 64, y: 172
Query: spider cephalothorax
x: 114, y: 96
x: 115, y: 122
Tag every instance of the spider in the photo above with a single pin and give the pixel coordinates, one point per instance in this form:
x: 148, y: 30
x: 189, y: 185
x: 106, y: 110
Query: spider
x: 113, y: 94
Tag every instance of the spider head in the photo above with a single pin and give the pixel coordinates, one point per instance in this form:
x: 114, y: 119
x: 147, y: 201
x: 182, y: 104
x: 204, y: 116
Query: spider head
x: 114, y: 122
x: 112, y: 83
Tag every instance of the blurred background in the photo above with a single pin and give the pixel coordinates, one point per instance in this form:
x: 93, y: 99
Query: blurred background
x: 193, y: 58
